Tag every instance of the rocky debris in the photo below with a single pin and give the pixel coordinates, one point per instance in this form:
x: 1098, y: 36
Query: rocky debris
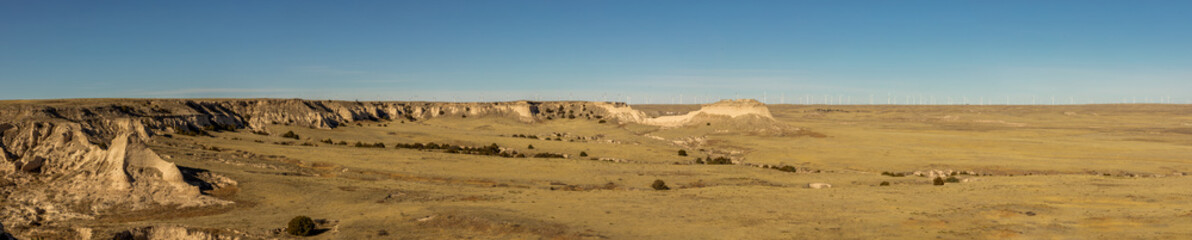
x: 176, y: 233
x: 818, y: 185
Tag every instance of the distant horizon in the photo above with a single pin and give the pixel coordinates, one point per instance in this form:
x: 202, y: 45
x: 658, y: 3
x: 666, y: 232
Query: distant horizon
x: 636, y: 52
x: 697, y: 101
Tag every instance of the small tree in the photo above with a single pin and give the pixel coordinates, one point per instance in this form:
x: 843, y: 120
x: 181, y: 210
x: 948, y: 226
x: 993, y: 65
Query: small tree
x: 531, y: 146
x: 301, y: 226
x: 583, y: 154
x: 682, y: 153
x: 659, y: 185
x: 937, y: 181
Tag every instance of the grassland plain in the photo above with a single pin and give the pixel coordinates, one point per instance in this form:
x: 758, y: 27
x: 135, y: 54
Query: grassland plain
x: 1023, y: 172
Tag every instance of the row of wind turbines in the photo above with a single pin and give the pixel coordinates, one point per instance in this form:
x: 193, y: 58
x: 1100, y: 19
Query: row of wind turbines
x: 891, y: 99
x: 812, y: 99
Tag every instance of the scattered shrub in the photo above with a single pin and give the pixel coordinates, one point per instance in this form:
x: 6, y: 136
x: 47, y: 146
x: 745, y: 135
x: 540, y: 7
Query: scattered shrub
x: 699, y: 161
x: 952, y: 180
x: 659, y: 185
x: 788, y: 169
x: 548, y: 155
x: 893, y: 174
x: 937, y: 181
x: 530, y: 147
x: 583, y: 154
x: 327, y: 141
x: 884, y: 183
x: 682, y: 153
x: 300, y: 226
x: 602, y: 121
x: 262, y: 133
x: 718, y: 160
x: 290, y: 134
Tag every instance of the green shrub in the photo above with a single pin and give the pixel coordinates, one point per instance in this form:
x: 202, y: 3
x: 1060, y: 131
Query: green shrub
x: 682, y: 153
x: 301, y: 226
x: 659, y: 185
x: 952, y: 180
x: 531, y: 146
x: 937, y: 181
x: 583, y: 154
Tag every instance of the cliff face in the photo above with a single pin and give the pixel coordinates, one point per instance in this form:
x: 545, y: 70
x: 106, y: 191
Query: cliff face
x: 67, y: 159
x: 740, y: 110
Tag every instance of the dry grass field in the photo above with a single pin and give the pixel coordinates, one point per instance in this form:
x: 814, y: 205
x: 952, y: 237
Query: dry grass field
x: 1022, y: 172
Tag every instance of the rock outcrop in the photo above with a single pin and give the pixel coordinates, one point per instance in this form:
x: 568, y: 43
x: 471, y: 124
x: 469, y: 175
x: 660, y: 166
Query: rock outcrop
x: 70, y: 159
x: 731, y: 109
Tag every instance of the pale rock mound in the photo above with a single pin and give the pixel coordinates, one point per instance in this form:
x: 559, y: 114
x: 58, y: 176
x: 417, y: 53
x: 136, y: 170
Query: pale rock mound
x: 732, y: 109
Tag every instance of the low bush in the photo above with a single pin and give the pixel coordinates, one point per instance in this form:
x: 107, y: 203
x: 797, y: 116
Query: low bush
x: 952, y: 180
x: 884, y: 183
x: 530, y: 147
x: 659, y: 185
x: 300, y: 226
x: 937, y: 181
x: 583, y: 154
x: 290, y: 134
x: 718, y: 161
x: 682, y: 153
x: 548, y: 155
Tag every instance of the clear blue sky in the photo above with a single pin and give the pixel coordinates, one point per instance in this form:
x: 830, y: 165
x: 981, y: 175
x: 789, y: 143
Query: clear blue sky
x: 656, y: 50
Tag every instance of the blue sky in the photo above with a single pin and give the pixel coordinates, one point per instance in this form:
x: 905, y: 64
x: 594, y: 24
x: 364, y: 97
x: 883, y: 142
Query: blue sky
x: 1082, y: 51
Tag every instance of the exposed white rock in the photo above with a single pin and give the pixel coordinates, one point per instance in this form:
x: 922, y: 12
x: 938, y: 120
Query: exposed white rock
x: 819, y: 185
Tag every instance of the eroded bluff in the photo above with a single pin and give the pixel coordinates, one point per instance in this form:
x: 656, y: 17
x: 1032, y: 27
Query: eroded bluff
x: 72, y: 159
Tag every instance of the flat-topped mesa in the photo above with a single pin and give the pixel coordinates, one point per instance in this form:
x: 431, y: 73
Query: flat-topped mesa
x: 736, y: 108
x: 733, y: 110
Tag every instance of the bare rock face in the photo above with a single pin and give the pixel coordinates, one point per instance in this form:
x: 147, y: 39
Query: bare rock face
x: 59, y: 174
x: 718, y: 111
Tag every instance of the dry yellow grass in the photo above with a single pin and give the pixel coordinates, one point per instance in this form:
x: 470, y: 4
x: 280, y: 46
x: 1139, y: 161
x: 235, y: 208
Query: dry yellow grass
x: 1046, y: 169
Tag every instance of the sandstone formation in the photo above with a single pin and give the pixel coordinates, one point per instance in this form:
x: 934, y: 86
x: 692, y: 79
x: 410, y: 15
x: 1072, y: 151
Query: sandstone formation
x: 69, y: 159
